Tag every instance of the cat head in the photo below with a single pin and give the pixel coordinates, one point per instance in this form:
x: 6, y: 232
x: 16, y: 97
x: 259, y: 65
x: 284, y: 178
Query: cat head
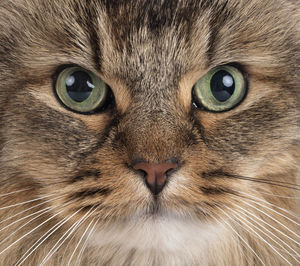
x: 155, y: 141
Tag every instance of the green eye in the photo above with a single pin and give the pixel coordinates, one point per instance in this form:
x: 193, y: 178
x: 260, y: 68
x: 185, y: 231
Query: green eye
x: 220, y: 89
x: 81, y: 90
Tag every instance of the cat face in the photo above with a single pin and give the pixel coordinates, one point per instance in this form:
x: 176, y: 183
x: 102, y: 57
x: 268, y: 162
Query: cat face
x: 155, y: 167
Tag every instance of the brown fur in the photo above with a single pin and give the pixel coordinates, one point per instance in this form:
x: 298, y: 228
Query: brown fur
x: 151, y: 53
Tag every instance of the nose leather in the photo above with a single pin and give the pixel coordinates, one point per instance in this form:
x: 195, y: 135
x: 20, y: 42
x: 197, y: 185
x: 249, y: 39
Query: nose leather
x: 156, y: 174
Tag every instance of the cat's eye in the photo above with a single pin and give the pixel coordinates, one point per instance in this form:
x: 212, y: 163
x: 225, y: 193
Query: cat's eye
x: 220, y: 89
x: 81, y: 90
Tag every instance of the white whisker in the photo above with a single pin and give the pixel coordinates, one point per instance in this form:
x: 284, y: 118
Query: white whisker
x: 28, y: 222
x: 30, y: 232
x: 47, y: 234
x: 237, y: 213
x: 258, y: 235
x: 66, y: 248
x: 273, y: 205
x: 23, y: 218
x: 247, y: 203
x: 85, y: 243
x: 276, y: 229
x: 26, y: 210
x: 25, y: 202
x: 81, y: 238
x: 14, y: 192
x: 49, y: 254
x: 279, y: 196
x: 72, y: 229
x: 70, y: 241
x: 240, y: 237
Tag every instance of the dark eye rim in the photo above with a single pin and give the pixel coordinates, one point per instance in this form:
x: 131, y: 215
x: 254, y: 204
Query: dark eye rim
x: 197, y: 106
x: 106, y: 107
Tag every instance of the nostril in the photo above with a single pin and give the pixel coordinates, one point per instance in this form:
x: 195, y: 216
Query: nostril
x: 156, y: 174
x: 142, y: 172
x: 171, y: 171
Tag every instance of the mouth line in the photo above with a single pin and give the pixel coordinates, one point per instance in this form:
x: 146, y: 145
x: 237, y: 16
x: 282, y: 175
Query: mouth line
x: 156, y: 211
x: 154, y: 208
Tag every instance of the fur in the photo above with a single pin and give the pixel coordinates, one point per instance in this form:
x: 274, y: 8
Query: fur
x: 235, y: 198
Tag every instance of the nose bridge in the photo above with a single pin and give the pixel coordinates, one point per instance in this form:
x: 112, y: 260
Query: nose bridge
x: 152, y: 135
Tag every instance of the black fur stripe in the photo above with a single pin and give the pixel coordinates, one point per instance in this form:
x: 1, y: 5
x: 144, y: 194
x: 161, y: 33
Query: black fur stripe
x: 101, y: 191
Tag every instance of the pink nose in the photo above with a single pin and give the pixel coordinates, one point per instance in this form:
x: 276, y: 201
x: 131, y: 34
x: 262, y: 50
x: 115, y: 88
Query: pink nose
x: 155, y: 174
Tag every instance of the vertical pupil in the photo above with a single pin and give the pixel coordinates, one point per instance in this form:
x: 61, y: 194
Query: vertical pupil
x: 222, y: 85
x: 79, y: 86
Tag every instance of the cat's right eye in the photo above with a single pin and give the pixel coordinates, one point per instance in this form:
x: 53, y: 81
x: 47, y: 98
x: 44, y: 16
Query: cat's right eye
x: 81, y: 90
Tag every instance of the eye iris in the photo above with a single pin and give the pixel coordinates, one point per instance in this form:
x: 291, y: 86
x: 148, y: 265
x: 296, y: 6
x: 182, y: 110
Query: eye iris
x: 79, y: 86
x: 222, y: 85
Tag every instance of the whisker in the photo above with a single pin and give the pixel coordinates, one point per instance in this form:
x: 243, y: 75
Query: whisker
x: 247, y: 203
x: 246, y: 221
x: 72, y: 229
x: 23, y: 218
x: 265, y: 181
x: 278, y: 196
x: 34, y: 229
x: 25, y: 202
x: 81, y: 238
x: 14, y: 192
x: 240, y: 237
x: 26, y: 210
x: 276, y: 229
x: 45, y: 236
x: 85, y: 243
x: 28, y: 222
x: 70, y: 241
x: 268, y: 203
x: 266, y: 233
x: 49, y: 253
x: 259, y: 236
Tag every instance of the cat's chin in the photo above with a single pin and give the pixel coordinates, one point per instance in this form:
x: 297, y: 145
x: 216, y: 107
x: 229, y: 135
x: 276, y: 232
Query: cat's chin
x: 161, y: 234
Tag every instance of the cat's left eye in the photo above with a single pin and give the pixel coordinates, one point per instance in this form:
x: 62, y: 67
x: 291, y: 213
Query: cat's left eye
x: 221, y: 89
x: 81, y: 90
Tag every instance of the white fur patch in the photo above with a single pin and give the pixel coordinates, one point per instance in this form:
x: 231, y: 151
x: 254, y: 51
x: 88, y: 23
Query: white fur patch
x: 180, y: 239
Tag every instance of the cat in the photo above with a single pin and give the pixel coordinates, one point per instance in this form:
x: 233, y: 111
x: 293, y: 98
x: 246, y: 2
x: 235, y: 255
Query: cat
x: 149, y: 132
